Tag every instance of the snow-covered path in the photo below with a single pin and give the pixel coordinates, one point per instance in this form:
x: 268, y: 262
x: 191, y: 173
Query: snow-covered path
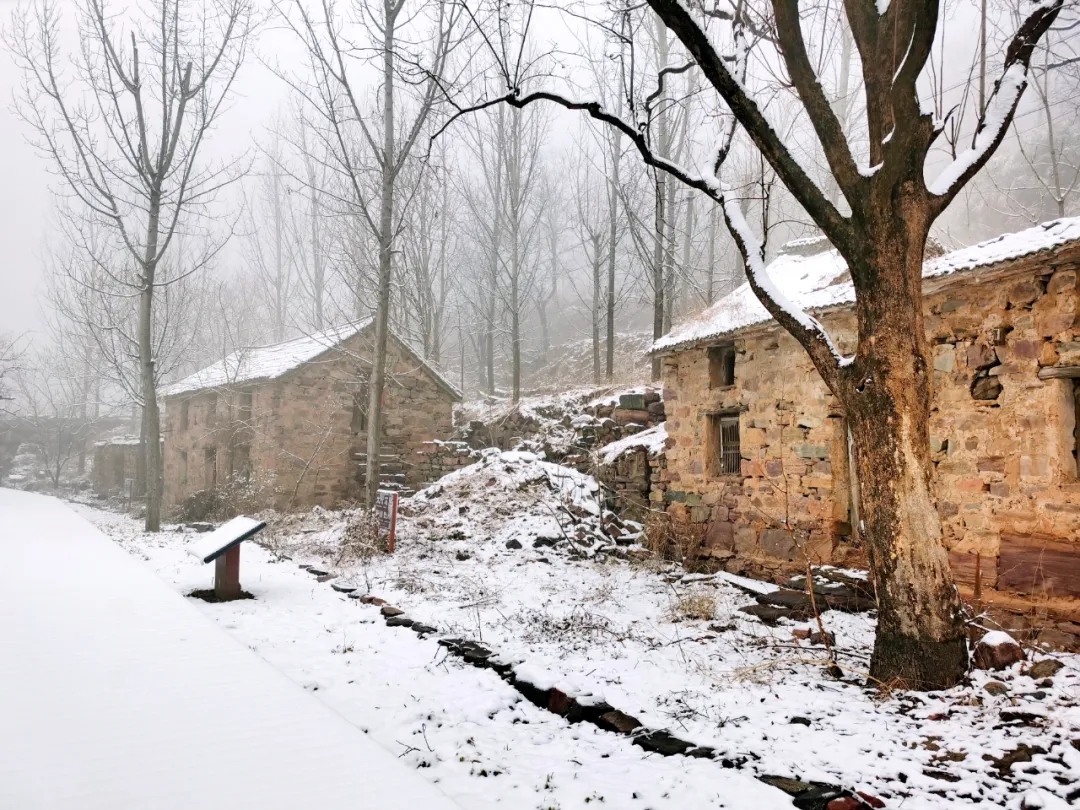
x: 116, y: 694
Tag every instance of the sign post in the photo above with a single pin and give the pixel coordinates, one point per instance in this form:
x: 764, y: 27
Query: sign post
x: 222, y: 547
x: 386, y: 505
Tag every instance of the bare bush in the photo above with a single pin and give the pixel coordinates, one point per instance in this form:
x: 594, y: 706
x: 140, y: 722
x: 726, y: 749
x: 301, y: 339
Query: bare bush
x: 672, y: 539
x: 695, y: 605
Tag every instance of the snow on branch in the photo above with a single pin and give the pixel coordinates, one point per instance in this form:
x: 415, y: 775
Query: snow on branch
x: 991, y: 130
x: 1001, y: 107
x: 803, y: 326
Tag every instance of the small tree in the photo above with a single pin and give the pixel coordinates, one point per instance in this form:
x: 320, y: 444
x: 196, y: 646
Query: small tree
x: 124, y: 121
x: 885, y: 387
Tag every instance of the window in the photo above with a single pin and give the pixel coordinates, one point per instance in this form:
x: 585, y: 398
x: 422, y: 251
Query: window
x: 722, y: 366
x: 722, y: 442
x: 183, y: 466
x: 210, y: 471
x: 359, y: 410
x: 211, y: 410
x: 245, y: 407
x: 184, y: 415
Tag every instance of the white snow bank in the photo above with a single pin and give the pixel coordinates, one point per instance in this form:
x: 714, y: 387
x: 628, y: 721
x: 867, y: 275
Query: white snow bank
x: 117, y: 694
x: 819, y: 281
x: 654, y: 440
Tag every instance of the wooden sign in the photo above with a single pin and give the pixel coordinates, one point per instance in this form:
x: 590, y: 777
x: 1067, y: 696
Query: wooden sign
x: 386, y: 505
x: 222, y: 547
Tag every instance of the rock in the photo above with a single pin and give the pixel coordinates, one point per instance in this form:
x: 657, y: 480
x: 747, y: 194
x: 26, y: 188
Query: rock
x: 399, y: 621
x: 799, y: 721
x: 1022, y: 718
x: 316, y: 572
x: 513, y: 544
x: 1038, y: 694
x: 871, y: 800
x: 1047, y: 668
x: 545, y: 542
x: 618, y: 722
x: 368, y: 599
x: 795, y: 600
x: 767, y: 614
x: 663, y: 743
x: 201, y: 527
x: 342, y: 588
x: 390, y: 610
x: 462, y: 555
x: 355, y: 595
x: 1046, y: 683
x: 1022, y: 753
x: 424, y: 629
x: 997, y: 650
x: 996, y: 688
x: 304, y: 566
x: 325, y: 577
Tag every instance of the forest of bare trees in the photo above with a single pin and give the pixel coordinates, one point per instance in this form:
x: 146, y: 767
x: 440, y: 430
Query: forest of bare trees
x: 499, y: 181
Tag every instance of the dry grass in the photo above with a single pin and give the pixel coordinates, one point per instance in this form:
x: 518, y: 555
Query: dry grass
x: 671, y: 539
x: 695, y: 605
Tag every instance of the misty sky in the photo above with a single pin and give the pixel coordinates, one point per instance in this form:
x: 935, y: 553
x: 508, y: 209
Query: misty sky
x: 25, y: 201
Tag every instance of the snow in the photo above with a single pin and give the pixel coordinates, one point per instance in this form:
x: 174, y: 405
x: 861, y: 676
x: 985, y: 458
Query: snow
x: 265, y: 362
x: 996, y: 638
x: 817, y: 282
x: 228, y: 534
x: 603, y: 627
x: 117, y: 694
x: 998, y: 114
x: 654, y: 440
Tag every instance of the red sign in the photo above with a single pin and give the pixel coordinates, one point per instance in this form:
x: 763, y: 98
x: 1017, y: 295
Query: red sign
x: 386, y: 504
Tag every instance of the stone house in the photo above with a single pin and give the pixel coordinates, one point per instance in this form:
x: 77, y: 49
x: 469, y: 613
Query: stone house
x: 113, y: 461
x: 757, y: 448
x: 289, y: 422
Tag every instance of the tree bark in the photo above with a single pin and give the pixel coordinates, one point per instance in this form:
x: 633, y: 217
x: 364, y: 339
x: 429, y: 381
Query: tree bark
x: 920, y: 641
x: 386, y: 244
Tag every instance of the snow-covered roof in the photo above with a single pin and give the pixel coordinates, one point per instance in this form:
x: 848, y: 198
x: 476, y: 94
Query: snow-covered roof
x: 263, y: 363
x: 819, y: 281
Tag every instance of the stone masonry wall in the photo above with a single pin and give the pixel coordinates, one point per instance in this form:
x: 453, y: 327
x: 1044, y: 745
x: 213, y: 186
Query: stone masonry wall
x: 299, y: 443
x: 1002, y: 438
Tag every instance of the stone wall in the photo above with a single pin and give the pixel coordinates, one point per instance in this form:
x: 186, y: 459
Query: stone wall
x: 437, y: 458
x: 1002, y: 436
x: 301, y: 443
x: 113, y: 461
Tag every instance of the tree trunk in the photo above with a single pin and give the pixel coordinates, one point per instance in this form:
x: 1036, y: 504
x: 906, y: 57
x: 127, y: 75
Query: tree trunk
x: 148, y: 383
x: 658, y: 271
x: 151, y: 415
x: 386, y: 243
x: 920, y: 640
x: 596, y: 303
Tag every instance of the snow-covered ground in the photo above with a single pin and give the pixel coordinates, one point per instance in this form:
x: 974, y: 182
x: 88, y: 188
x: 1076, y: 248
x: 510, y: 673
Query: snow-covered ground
x: 591, y: 617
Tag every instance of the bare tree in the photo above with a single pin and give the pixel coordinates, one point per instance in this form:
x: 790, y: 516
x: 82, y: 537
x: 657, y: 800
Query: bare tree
x: 368, y: 150
x: 51, y: 391
x: 268, y: 244
x: 885, y: 387
x: 124, y: 122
